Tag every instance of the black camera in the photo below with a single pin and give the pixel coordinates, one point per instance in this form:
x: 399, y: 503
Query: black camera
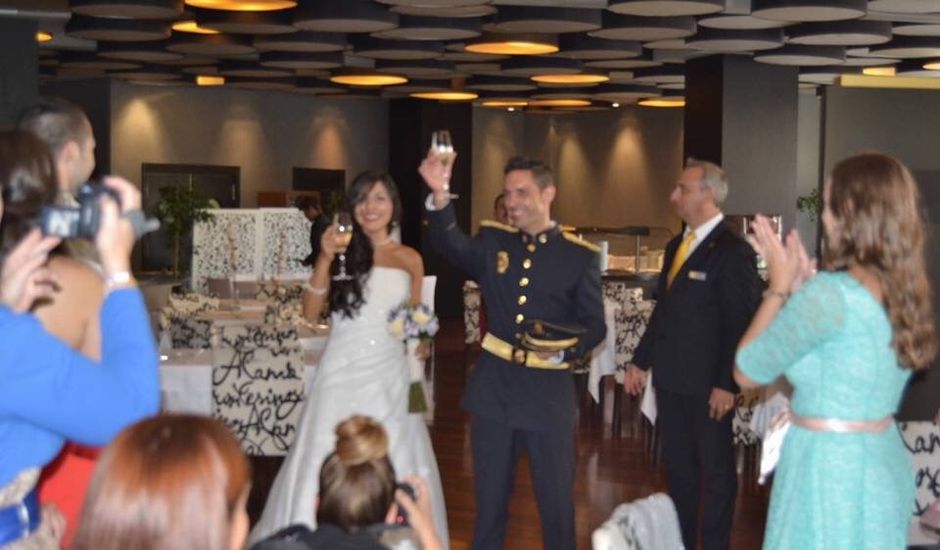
x: 81, y: 221
x: 402, y: 517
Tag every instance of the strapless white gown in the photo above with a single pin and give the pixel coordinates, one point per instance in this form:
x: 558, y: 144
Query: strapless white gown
x: 362, y: 371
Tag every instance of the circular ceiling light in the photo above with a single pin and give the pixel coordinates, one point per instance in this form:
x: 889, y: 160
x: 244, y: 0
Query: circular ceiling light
x: 739, y: 22
x: 43, y: 36
x: 663, y: 8
x: 624, y: 93
x: 851, y: 61
x: 503, y: 102
x: 560, y: 102
x: 531, y: 66
x: 825, y: 75
x: 584, y: 47
x: 879, y: 71
x: 136, y: 9
x: 808, y: 10
x: 190, y: 25
x: 664, y: 102
x: 644, y: 29
x: 513, y: 44
x: 211, y: 45
x: 117, y: 30
x: 908, y: 46
x: 720, y: 40
x: 305, y: 41
x: 301, y: 60
x: 244, y: 5
x: 209, y: 80
x: 245, y: 22
x: 470, y: 57
x: 432, y: 28
x: 840, y: 33
x: 349, y: 16
x: 480, y: 10
x: 445, y: 95
x: 501, y: 84
x: 905, y: 6
x: 352, y: 76
x: 525, y: 19
x: 916, y: 29
x: 802, y: 55
x: 429, y: 69
x: 147, y: 52
x: 380, y: 48
x: 585, y: 77
x: 667, y: 74
x: 919, y: 68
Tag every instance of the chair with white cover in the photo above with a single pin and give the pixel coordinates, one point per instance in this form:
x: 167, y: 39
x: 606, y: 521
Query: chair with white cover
x: 649, y: 523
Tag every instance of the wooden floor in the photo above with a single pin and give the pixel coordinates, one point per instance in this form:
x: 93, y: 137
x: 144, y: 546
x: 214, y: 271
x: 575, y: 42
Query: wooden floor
x: 611, y: 468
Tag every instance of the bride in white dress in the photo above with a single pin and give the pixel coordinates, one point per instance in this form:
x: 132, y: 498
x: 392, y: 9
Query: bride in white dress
x: 363, y: 369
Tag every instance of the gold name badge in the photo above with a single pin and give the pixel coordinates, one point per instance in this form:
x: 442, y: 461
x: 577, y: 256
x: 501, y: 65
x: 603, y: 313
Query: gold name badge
x: 502, y: 261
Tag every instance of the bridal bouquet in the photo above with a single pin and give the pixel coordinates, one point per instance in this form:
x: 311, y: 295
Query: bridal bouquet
x: 412, y: 324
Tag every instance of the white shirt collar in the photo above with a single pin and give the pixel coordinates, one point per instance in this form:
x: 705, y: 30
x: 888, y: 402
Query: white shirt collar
x: 703, y: 230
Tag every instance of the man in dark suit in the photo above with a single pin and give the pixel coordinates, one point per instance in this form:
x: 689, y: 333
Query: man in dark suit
x: 522, y: 400
x: 706, y: 295
x: 310, y: 206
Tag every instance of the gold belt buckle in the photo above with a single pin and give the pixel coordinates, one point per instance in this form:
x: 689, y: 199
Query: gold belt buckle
x: 518, y: 356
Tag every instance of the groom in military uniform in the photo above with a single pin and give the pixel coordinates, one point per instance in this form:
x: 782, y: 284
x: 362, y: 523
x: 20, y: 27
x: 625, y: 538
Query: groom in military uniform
x: 542, y: 290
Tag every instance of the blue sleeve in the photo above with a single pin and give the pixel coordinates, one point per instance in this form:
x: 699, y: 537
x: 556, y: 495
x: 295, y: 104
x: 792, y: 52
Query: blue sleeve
x: 590, y: 311
x: 448, y: 240
x: 54, y: 387
x: 809, y: 318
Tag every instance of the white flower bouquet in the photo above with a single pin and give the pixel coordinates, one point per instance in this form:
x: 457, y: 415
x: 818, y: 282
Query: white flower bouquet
x: 413, y: 324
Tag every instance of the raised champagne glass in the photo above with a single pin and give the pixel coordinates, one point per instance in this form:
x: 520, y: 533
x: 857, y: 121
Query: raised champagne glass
x: 443, y: 147
x: 344, y: 233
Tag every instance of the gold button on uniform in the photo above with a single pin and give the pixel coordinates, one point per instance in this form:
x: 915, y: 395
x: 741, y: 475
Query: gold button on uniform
x: 523, y: 282
x: 530, y: 247
x: 519, y: 318
x: 543, y: 238
x: 526, y: 263
x: 522, y: 300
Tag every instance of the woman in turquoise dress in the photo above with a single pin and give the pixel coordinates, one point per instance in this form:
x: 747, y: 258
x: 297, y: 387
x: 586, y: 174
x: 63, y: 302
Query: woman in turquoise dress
x: 847, y: 340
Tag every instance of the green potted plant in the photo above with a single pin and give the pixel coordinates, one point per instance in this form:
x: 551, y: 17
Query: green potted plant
x: 810, y: 204
x: 178, y: 210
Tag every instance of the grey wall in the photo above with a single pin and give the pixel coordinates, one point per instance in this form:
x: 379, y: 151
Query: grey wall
x: 613, y: 168
x: 19, y: 67
x: 808, y: 175
x: 264, y: 133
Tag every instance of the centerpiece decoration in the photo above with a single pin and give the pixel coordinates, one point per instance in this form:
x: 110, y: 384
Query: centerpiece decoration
x: 414, y: 324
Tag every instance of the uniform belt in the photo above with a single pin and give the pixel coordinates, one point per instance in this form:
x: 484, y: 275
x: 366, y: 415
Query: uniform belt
x: 518, y: 356
x: 841, y: 426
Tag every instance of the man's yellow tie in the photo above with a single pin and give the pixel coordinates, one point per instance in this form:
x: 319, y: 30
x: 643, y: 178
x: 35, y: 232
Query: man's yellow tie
x: 681, y: 254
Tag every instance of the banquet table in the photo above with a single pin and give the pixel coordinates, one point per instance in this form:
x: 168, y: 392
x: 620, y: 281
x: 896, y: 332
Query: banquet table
x: 186, y: 376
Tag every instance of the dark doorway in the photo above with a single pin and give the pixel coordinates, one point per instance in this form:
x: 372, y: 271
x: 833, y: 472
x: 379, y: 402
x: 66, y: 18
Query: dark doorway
x: 221, y: 183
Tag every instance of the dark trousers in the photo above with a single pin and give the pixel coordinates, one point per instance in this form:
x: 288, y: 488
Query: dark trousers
x: 496, y: 447
x: 698, y: 453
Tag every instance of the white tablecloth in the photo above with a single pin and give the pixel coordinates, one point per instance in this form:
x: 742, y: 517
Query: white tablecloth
x: 186, y: 376
x: 604, y: 358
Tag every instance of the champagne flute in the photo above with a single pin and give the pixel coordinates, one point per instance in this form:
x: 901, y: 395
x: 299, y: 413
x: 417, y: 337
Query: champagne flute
x: 443, y: 147
x: 344, y: 232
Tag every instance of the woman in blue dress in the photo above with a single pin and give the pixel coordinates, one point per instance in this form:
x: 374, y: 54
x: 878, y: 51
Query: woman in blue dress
x: 847, y: 340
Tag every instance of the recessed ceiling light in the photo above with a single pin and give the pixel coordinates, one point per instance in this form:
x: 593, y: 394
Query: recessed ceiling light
x: 808, y: 10
x: 662, y: 8
x: 43, y: 36
x: 365, y: 77
x: 190, y: 25
x: 210, y: 80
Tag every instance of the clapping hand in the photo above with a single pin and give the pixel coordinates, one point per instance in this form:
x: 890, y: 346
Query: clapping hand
x: 23, y: 278
x: 788, y: 264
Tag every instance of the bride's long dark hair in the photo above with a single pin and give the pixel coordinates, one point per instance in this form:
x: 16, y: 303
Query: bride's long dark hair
x: 346, y: 296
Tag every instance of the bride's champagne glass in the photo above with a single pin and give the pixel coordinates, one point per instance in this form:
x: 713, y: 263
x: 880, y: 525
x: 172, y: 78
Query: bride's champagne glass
x: 443, y: 147
x: 344, y: 233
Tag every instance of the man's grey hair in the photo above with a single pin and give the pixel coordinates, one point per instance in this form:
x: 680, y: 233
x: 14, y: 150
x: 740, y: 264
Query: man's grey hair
x: 713, y: 177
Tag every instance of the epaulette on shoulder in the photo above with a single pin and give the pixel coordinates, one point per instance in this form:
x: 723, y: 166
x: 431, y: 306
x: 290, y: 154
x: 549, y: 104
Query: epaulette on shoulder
x: 581, y: 242
x: 501, y: 226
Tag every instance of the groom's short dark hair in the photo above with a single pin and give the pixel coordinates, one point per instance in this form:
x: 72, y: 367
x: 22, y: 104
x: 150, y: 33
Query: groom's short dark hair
x: 540, y: 171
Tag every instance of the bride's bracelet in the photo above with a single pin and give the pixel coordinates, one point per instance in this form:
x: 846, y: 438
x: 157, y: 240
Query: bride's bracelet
x: 319, y: 291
